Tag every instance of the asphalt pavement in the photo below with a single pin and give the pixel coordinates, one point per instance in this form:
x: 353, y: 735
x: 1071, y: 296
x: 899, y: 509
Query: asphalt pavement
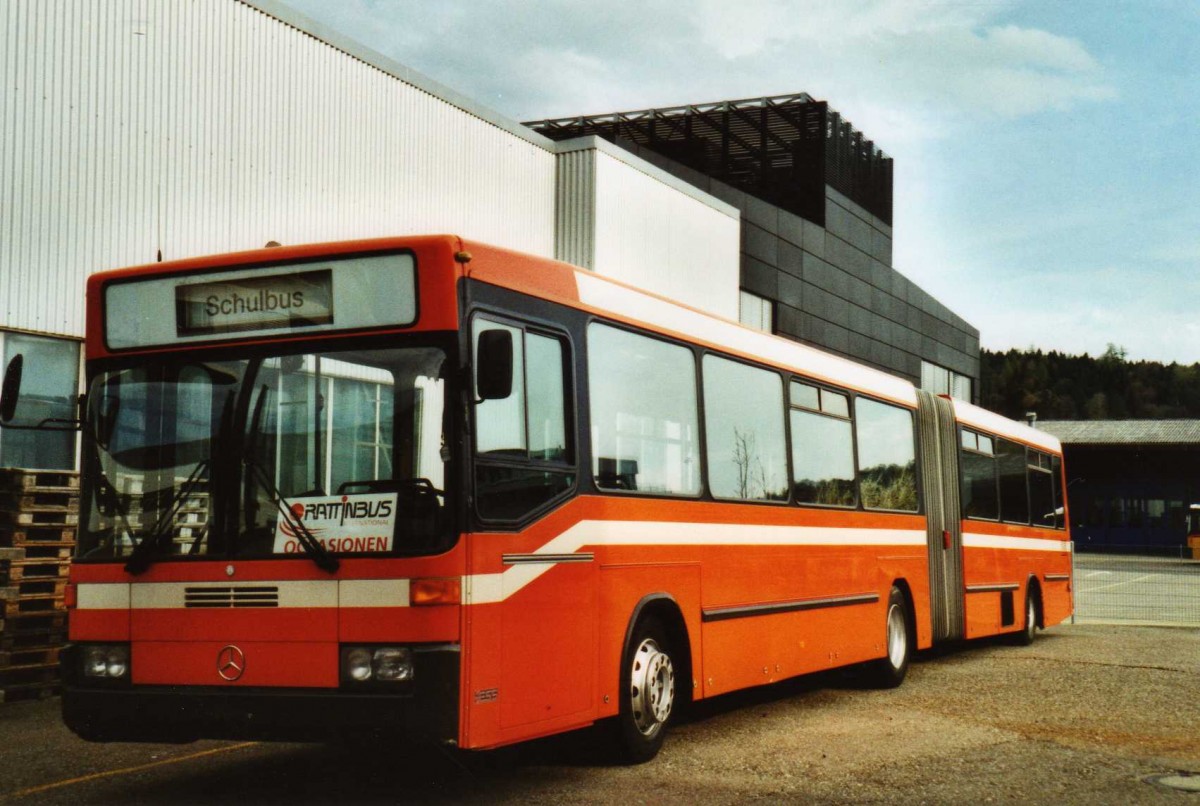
x: 1087, y: 714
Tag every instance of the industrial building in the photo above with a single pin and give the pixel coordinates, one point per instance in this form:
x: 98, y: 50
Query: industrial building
x: 144, y: 130
x: 1130, y: 483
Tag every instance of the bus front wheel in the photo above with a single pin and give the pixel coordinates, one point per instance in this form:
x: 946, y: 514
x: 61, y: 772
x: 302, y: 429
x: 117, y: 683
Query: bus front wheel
x: 648, y: 692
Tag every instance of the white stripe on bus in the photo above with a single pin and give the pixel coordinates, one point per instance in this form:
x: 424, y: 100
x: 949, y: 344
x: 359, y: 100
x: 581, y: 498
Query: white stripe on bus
x: 978, y: 541
x: 496, y: 587
x: 291, y: 594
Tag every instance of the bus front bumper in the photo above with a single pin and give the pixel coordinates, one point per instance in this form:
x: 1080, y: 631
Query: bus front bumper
x: 426, y: 712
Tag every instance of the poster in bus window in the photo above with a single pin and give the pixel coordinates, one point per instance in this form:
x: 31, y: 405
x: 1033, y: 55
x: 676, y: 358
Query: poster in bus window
x: 343, y: 524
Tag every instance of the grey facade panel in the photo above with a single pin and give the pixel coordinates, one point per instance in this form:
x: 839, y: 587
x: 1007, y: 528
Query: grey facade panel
x: 762, y: 214
x: 814, y: 239
x: 791, y: 259
x: 791, y: 290
x: 760, y: 278
x: 791, y: 229
x: 760, y: 244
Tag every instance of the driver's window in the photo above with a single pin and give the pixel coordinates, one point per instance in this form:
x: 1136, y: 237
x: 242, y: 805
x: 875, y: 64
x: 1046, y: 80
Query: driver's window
x: 524, y: 457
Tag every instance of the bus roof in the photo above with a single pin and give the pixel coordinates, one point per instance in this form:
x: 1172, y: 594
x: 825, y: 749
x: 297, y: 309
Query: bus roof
x: 972, y: 415
x: 585, y: 290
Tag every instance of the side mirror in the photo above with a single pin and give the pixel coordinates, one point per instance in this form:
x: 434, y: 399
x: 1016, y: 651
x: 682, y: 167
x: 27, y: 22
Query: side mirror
x: 11, y: 390
x: 494, y: 365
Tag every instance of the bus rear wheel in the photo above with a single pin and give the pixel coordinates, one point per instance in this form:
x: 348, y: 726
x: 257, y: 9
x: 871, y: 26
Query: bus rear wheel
x: 890, y: 670
x: 1025, y: 636
x: 648, y: 693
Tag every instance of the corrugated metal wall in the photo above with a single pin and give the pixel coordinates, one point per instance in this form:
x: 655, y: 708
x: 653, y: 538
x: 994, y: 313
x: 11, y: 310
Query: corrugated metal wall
x: 651, y: 235
x: 201, y: 126
x: 575, y: 232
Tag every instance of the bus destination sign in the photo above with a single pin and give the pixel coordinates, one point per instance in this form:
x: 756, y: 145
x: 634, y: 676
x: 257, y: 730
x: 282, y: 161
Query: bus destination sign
x: 255, y: 303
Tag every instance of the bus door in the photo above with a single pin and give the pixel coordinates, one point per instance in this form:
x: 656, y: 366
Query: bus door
x: 939, y: 462
x: 540, y: 629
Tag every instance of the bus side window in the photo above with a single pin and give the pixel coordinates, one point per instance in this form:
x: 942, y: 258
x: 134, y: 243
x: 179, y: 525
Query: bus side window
x: 887, y: 458
x: 1014, y: 487
x: 822, y: 447
x: 746, y: 444
x: 980, y: 494
x: 1041, y: 489
x: 524, y: 457
x: 644, y: 413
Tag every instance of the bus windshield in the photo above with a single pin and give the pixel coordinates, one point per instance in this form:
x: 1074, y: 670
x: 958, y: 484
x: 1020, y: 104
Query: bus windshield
x: 233, y: 457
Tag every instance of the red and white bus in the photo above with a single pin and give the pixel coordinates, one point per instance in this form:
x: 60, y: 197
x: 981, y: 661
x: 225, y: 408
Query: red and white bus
x: 437, y: 488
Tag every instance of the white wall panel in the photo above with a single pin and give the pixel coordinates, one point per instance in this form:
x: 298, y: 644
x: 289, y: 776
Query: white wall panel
x: 650, y: 234
x: 202, y: 126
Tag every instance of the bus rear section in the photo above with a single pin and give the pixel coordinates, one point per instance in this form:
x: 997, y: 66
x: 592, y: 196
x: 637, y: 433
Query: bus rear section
x: 269, y: 541
x: 1000, y: 550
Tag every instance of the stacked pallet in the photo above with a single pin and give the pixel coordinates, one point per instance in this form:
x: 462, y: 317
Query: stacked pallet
x: 39, y: 514
x: 190, y: 520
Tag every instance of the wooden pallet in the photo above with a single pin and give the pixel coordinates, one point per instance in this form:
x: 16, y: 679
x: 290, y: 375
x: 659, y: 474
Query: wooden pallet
x: 30, y: 656
x: 13, y: 619
x: 36, y: 499
x: 29, y: 535
x: 15, y: 572
x: 16, y: 637
x: 18, y: 479
x: 14, y: 606
x: 30, y: 691
x: 34, y: 588
x: 48, y: 551
x: 30, y: 681
x: 42, y: 517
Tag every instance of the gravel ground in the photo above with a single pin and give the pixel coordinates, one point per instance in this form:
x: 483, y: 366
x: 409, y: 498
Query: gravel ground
x: 1084, y: 715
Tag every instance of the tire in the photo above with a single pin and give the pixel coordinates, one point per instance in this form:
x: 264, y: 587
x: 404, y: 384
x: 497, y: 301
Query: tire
x: 648, y: 692
x: 890, y: 670
x: 1029, y: 631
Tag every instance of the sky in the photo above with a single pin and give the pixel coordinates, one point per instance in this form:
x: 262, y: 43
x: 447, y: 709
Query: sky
x: 1047, y: 184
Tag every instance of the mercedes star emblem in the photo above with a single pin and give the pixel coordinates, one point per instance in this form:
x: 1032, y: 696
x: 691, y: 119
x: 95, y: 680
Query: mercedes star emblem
x: 231, y: 662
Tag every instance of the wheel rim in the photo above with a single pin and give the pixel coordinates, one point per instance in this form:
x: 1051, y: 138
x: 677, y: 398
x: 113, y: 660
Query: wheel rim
x: 651, y: 687
x: 1030, y: 616
x: 897, y: 636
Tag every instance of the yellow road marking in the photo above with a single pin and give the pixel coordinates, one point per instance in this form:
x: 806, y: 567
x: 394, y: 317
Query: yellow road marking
x: 33, y: 790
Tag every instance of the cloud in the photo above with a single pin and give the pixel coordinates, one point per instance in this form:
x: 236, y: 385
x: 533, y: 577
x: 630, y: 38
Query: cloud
x: 945, y: 59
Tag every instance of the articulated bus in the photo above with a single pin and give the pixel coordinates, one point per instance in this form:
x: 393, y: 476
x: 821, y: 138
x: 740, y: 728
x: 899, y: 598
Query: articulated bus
x: 441, y: 490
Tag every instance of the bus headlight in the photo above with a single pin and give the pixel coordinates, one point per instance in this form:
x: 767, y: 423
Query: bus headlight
x: 358, y: 664
x: 385, y: 664
x: 108, y: 661
x: 393, y: 664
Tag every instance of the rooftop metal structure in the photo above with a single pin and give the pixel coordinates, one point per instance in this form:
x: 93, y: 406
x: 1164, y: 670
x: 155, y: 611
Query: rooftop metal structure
x: 783, y: 149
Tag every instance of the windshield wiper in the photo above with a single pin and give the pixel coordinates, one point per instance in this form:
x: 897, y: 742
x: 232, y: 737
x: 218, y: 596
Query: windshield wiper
x: 139, y: 560
x: 313, y: 547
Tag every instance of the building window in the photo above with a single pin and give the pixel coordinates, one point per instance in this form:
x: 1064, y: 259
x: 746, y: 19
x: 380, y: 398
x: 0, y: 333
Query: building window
x: 942, y: 381
x: 49, y: 389
x: 756, y: 312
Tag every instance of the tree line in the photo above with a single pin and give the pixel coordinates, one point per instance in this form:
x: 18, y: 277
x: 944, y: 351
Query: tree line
x: 1080, y: 387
